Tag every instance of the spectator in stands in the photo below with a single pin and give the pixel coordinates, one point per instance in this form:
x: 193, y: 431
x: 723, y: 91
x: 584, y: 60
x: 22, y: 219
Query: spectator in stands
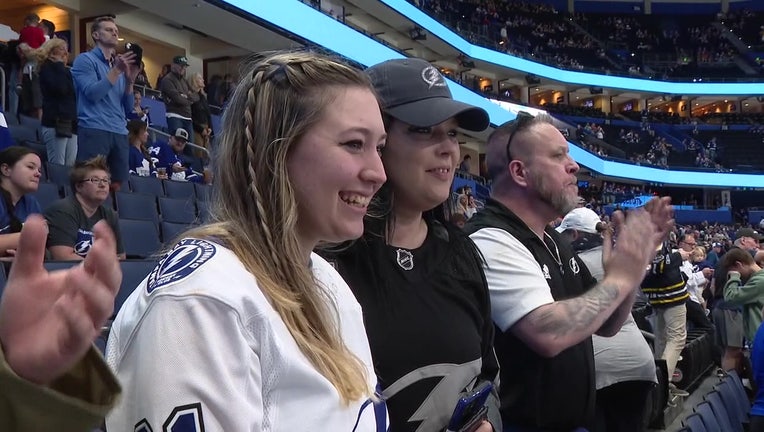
x: 138, y: 112
x: 666, y: 291
x: 200, y: 111
x: 6, y: 140
x: 623, y: 364
x: 71, y: 219
x: 59, y: 103
x: 165, y: 70
x: 465, y: 165
x: 48, y: 322
x: 744, y: 288
x: 48, y: 29
x: 20, y: 171
x: 300, y: 144
x: 714, y: 254
x: 104, y: 83
x: 31, y: 37
x: 728, y: 317
x: 178, y: 97
x: 142, y: 80
x: 169, y: 156
x: 696, y: 280
x: 418, y: 278
x: 544, y: 301
x: 140, y: 160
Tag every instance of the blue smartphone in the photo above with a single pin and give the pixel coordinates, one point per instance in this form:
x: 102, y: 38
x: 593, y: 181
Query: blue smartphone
x: 470, y: 409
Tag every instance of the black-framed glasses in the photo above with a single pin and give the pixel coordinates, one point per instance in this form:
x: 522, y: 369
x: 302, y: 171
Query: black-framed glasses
x: 520, y: 122
x: 98, y: 181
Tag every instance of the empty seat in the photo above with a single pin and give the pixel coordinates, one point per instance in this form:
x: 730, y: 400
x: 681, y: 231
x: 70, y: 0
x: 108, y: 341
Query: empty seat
x: 720, y: 411
x: 177, y: 210
x: 146, y: 185
x: 30, y: 122
x: 139, y: 237
x: 137, y: 206
x: 738, y: 415
x: 47, y: 194
x: 203, y: 191
x: 23, y: 134
x: 171, y: 231
x: 58, y: 174
x: 695, y: 423
x: 133, y: 273
x: 706, y: 413
x: 179, y: 189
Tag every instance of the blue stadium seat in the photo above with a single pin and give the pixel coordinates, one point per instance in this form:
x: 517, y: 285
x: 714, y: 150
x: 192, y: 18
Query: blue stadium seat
x: 30, y: 122
x: 204, y: 211
x: 171, y: 231
x: 720, y: 410
x: 58, y: 174
x: 23, y: 134
x: 47, y: 194
x: 710, y: 421
x: 738, y: 414
x: 179, y: 189
x: 203, y: 191
x: 177, y: 210
x: 133, y: 273
x: 140, y: 238
x: 146, y: 185
x: 158, y: 112
x: 695, y: 423
x: 137, y: 206
x: 737, y: 385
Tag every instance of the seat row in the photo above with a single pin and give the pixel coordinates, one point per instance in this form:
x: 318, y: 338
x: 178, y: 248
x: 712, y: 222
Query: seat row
x: 724, y: 408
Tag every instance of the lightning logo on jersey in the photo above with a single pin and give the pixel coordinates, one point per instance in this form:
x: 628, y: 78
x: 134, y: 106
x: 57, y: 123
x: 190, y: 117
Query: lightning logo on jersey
x: 187, y: 256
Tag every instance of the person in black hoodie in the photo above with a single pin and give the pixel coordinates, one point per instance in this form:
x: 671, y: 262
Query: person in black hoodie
x: 59, y: 103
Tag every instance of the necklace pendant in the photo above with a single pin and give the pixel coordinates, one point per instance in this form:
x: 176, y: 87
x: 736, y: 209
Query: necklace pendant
x: 405, y: 259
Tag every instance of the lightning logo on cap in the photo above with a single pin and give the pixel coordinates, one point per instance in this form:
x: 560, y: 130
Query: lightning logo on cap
x: 432, y: 77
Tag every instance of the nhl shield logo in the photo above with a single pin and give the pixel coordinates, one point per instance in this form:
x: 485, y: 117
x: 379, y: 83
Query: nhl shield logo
x: 405, y: 259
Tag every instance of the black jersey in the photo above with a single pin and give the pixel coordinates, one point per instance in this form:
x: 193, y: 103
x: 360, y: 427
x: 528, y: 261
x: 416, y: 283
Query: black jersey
x: 427, y: 316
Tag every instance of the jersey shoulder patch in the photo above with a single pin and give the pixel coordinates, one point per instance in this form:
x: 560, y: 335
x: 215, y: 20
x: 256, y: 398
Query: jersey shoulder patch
x: 185, y: 258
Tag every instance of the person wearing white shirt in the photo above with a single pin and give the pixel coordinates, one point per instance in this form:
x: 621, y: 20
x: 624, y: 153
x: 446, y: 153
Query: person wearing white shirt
x: 240, y: 327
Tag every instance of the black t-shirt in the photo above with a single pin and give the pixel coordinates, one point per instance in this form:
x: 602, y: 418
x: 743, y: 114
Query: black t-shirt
x: 69, y: 226
x: 427, y: 316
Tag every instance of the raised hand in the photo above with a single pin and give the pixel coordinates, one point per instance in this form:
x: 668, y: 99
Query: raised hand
x: 48, y: 321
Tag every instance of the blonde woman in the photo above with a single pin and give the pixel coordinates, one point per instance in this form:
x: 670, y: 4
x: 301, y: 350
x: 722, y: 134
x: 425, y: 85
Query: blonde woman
x: 59, y: 102
x: 241, y: 327
x: 200, y: 110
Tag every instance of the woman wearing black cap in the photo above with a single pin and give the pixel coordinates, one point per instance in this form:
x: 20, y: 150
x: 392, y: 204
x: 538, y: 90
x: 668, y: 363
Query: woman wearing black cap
x: 418, y: 278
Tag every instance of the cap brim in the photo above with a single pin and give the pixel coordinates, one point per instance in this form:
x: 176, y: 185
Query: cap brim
x: 433, y: 111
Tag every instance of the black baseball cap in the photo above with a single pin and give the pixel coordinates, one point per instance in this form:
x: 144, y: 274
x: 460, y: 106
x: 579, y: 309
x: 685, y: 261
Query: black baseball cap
x: 747, y: 232
x: 414, y: 91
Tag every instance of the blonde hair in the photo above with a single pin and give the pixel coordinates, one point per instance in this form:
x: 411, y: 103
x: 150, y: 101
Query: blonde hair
x: 43, y: 52
x: 698, y: 253
x: 191, y: 80
x: 279, y: 99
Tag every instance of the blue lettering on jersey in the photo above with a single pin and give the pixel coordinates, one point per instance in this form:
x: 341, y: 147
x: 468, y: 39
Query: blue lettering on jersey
x: 187, y: 256
x: 84, y: 242
x: 186, y: 418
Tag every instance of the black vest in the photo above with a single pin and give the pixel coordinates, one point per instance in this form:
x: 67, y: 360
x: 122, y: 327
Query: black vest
x: 555, y: 394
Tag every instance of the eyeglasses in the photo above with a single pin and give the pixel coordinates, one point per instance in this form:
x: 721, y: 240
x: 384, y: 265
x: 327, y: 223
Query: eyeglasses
x: 693, y: 244
x: 521, y: 122
x: 98, y: 181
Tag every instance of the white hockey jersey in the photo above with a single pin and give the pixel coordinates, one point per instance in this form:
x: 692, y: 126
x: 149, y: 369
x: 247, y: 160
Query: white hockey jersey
x: 197, y: 347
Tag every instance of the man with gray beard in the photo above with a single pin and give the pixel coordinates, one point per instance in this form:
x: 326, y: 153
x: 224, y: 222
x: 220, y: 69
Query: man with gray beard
x: 544, y: 301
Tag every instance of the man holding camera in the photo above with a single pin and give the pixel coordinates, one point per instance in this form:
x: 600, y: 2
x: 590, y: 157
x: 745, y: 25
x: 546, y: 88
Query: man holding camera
x: 104, y: 83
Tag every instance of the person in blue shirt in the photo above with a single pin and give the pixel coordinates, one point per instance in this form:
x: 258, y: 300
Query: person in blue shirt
x: 20, y: 171
x: 169, y: 156
x: 104, y: 83
x: 757, y: 364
